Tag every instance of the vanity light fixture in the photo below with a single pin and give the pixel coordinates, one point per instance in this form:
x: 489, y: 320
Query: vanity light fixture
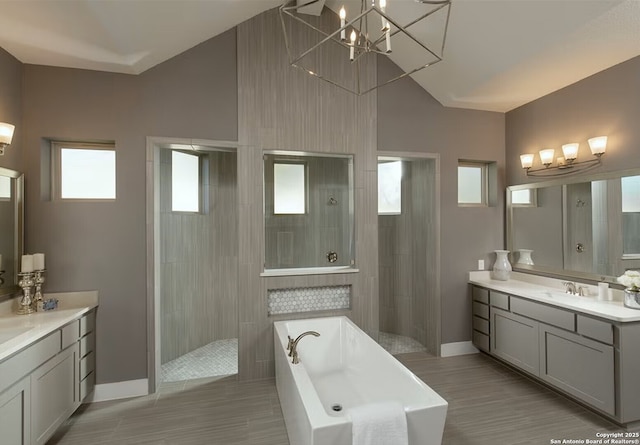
x: 565, y: 165
x: 6, y: 135
x: 341, y: 48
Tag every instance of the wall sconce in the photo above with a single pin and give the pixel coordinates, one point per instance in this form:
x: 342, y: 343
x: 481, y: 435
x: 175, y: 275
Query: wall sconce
x: 6, y: 134
x: 567, y: 164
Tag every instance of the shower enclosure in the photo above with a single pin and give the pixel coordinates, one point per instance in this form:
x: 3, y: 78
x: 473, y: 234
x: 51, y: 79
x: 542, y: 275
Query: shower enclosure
x: 408, y: 254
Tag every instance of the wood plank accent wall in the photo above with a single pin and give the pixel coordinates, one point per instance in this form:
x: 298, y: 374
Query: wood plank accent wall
x: 280, y: 107
x: 199, y: 261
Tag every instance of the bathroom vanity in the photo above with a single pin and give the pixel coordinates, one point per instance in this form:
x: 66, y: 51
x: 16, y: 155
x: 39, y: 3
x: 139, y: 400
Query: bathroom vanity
x: 585, y: 348
x: 47, y: 366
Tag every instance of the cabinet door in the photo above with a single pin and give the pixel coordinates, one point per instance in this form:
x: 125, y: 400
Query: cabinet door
x: 53, y: 394
x: 579, y: 366
x: 14, y: 414
x: 515, y: 340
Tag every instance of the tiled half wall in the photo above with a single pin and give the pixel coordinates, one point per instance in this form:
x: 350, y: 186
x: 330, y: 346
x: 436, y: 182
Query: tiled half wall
x: 307, y: 299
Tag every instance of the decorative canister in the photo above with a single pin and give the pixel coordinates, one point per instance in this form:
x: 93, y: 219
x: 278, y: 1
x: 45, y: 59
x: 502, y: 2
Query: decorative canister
x: 524, y: 257
x: 632, y: 298
x: 631, y: 279
x: 502, y: 267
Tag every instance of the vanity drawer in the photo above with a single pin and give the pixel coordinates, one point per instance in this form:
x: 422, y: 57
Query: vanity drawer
x: 88, y: 323
x: 87, y: 344
x: 70, y: 334
x: 546, y: 314
x: 87, y: 385
x: 87, y: 365
x: 480, y: 324
x: 481, y: 341
x: 499, y: 300
x: 481, y: 310
x: 480, y: 294
x: 596, y: 329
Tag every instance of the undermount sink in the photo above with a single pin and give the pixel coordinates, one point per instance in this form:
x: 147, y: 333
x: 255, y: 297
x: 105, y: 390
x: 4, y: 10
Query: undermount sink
x: 8, y: 333
x: 560, y: 294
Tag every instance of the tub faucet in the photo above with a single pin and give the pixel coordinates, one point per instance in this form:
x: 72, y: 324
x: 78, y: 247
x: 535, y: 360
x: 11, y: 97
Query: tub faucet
x: 293, y: 351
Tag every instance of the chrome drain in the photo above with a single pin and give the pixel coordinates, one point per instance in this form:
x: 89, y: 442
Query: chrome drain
x: 336, y: 407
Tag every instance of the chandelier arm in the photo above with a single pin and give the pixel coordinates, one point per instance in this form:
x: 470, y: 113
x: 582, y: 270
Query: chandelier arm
x: 443, y: 5
x: 323, y: 41
x: 401, y: 76
x: 416, y: 40
x: 446, y: 29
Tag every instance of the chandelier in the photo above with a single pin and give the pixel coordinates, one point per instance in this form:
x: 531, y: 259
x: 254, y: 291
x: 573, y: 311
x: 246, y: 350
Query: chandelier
x: 339, y: 42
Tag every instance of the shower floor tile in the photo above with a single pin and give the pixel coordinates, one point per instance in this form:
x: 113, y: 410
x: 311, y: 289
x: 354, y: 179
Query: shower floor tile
x: 398, y: 344
x: 215, y: 359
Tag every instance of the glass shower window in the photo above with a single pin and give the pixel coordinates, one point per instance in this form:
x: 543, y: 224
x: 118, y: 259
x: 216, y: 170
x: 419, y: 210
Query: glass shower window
x: 5, y: 187
x: 289, y: 189
x: 630, y: 215
x: 390, y: 188
x: 185, y: 182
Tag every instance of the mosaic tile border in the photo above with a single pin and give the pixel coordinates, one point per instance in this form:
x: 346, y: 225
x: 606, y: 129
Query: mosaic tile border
x: 308, y: 299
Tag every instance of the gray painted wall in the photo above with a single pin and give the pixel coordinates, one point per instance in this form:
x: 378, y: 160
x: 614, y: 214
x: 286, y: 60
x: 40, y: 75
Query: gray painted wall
x: 11, y: 107
x: 410, y: 119
x: 605, y: 104
x: 102, y: 245
x: 199, y: 260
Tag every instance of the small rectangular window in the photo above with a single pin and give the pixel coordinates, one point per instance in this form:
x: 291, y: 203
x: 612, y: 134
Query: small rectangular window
x: 85, y: 171
x: 472, y: 183
x: 185, y: 182
x: 630, y: 194
x: 289, y: 189
x: 5, y: 187
x: 390, y: 188
x: 523, y: 198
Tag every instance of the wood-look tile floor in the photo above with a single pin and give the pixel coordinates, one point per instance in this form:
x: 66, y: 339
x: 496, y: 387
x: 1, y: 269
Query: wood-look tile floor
x: 489, y: 404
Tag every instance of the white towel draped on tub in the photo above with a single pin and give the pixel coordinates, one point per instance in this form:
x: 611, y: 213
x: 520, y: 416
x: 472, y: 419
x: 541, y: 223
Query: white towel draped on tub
x: 382, y: 423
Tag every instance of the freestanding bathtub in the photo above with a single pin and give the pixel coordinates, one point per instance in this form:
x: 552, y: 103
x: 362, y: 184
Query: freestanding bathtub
x: 342, y: 369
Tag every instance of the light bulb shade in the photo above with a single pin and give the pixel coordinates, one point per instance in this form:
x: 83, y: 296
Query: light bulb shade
x: 526, y: 160
x: 598, y: 145
x: 546, y: 156
x: 6, y: 133
x: 570, y: 151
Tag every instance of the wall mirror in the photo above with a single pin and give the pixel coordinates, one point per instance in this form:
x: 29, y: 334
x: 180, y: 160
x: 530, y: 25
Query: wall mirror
x: 11, y: 229
x: 585, y: 227
x: 308, y: 212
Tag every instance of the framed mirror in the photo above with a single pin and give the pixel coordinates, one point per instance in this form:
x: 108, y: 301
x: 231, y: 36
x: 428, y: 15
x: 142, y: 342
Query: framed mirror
x: 11, y: 229
x: 308, y: 212
x: 585, y: 227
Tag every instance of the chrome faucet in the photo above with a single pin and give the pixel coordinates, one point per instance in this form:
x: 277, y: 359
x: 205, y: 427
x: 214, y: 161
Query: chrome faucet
x: 569, y: 287
x: 293, y: 345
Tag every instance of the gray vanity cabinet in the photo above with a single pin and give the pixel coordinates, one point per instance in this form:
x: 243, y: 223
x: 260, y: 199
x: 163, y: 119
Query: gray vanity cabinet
x: 15, y: 426
x: 514, y: 339
x: 579, y: 366
x: 53, y: 391
x: 43, y: 384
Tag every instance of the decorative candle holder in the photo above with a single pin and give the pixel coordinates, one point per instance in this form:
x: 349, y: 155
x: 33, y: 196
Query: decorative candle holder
x: 38, y: 280
x: 26, y: 303
x: 1, y: 279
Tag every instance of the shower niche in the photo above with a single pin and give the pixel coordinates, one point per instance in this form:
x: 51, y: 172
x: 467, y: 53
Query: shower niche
x: 308, y: 213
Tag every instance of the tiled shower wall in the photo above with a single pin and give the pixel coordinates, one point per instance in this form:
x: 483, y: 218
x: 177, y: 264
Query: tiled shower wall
x: 280, y: 107
x: 407, y: 259
x: 198, y: 271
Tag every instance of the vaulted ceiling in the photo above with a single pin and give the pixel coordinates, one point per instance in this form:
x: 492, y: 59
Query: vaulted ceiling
x: 499, y: 54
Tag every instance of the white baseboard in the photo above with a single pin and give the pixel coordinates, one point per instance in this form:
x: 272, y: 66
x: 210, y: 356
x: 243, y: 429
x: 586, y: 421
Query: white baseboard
x: 119, y: 390
x: 458, y: 348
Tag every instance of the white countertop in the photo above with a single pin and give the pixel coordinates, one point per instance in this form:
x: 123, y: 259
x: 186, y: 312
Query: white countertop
x: 19, y: 331
x: 550, y: 291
